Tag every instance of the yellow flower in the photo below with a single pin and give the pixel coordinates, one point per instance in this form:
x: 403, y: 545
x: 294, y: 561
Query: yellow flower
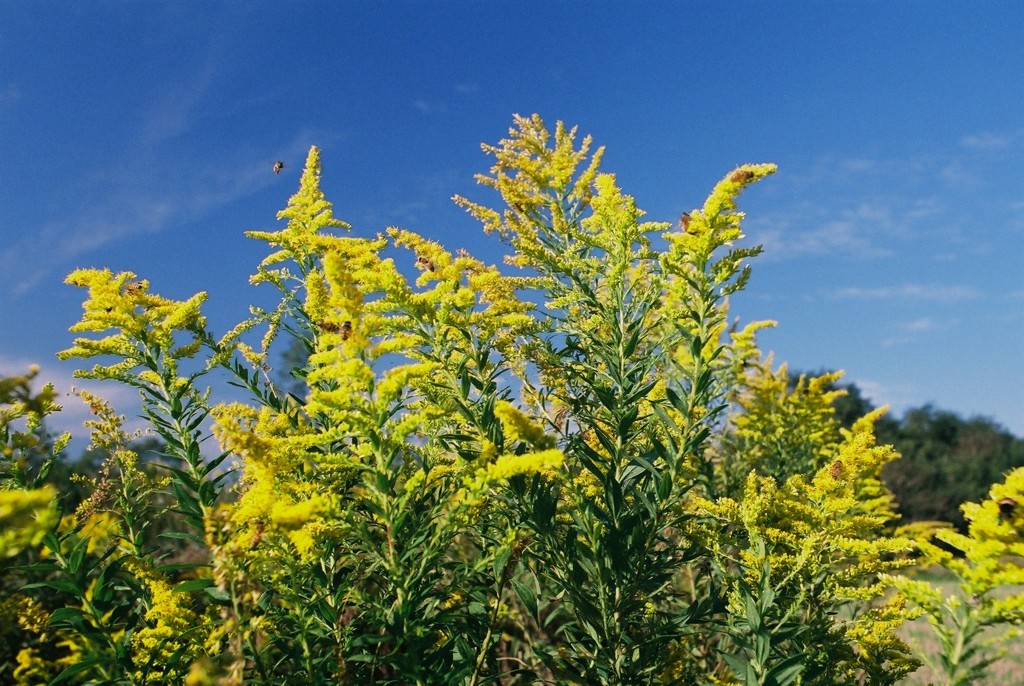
x: 545, y: 462
x: 171, y: 626
x: 308, y: 213
x: 32, y: 669
x: 518, y: 427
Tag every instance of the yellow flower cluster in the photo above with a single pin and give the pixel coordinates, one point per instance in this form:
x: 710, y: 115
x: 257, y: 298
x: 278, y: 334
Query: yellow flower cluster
x: 493, y: 469
x: 717, y: 224
x: 544, y: 462
x: 173, y: 635
x: 364, y: 400
x: 32, y: 669
x: 308, y: 212
x: 143, y: 322
x: 518, y: 427
x: 536, y: 182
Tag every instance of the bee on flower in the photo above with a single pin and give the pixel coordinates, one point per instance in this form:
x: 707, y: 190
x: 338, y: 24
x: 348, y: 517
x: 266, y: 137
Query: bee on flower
x: 837, y: 470
x: 425, y: 263
x: 346, y: 330
x: 741, y: 176
x: 134, y: 288
x: 684, y: 221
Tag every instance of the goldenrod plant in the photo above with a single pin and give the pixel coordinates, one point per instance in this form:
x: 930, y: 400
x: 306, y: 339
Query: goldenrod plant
x: 976, y: 617
x: 576, y: 473
x: 625, y: 352
x: 804, y: 564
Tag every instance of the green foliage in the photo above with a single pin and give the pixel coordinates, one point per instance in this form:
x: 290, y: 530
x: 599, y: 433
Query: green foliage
x: 576, y: 475
x: 625, y: 347
x: 29, y: 452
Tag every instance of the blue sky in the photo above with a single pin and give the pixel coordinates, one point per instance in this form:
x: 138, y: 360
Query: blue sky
x: 141, y: 136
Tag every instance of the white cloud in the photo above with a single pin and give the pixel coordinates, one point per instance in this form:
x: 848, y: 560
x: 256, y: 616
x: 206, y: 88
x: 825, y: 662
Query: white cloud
x: 898, y: 340
x: 174, y: 112
x: 782, y: 241
x: 859, y: 165
x: 909, y: 292
x: 428, y: 107
x: 909, y: 332
x: 955, y: 174
x: 868, y: 207
x: 809, y: 231
x: 917, y: 325
x: 897, y: 397
x: 988, y: 140
x: 135, y: 198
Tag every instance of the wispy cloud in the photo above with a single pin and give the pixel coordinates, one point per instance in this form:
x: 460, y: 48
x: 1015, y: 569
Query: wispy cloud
x: 988, y: 140
x: 429, y: 107
x: 785, y: 240
x: 912, y: 331
x: 919, y: 325
x: 909, y: 292
x: 863, y: 231
x: 144, y: 191
x: 859, y: 165
x: 875, y: 206
x: 145, y: 186
x: 174, y: 112
x: 955, y: 173
x: 898, y: 397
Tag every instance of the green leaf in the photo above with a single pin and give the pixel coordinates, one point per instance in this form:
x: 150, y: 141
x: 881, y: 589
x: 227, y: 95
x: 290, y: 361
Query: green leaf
x: 786, y: 671
x: 181, y: 535
x: 69, y: 587
x: 500, y: 560
x: 753, y: 612
x: 67, y: 615
x: 217, y: 595
x: 193, y: 585
x: 526, y: 596
x: 79, y: 666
